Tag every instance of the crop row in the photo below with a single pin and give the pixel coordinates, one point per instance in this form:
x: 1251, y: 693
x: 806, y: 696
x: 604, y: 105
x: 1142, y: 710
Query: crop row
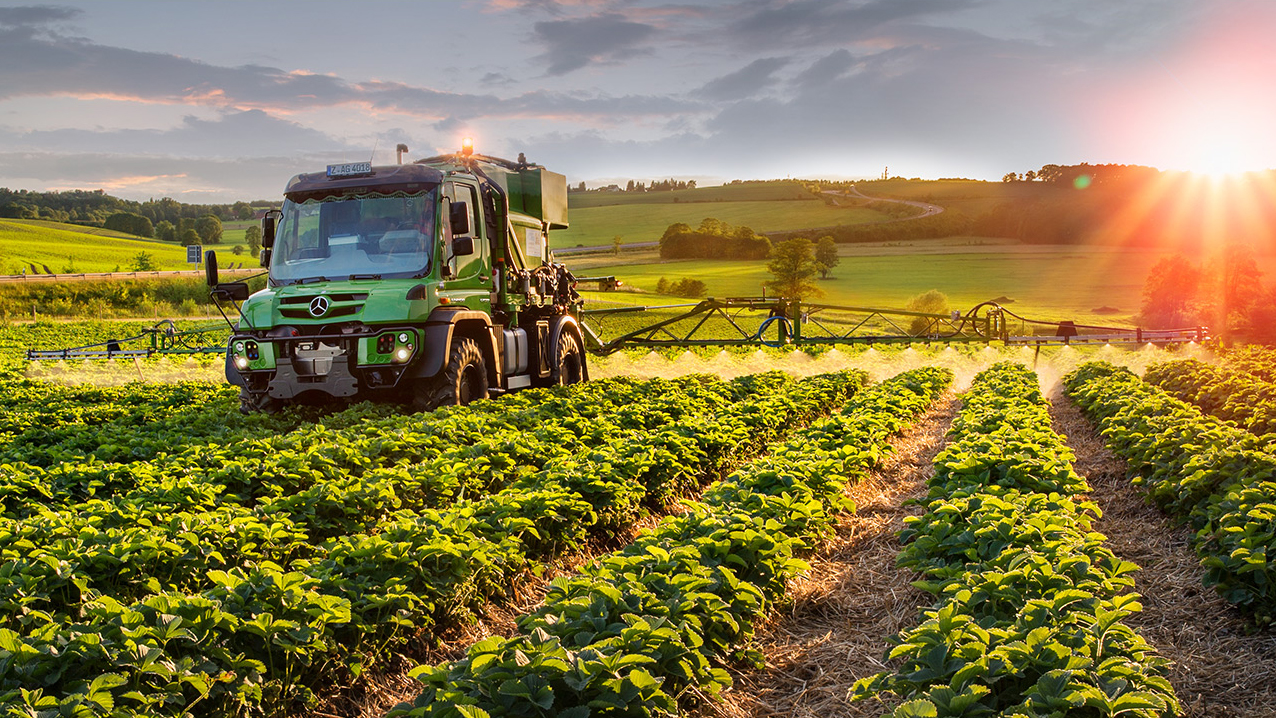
x: 1219, y: 479
x: 262, y: 634
x: 254, y: 470
x: 128, y: 547
x: 1029, y: 603
x: 639, y: 627
x: 1220, y: 391
x: 1258, y: 361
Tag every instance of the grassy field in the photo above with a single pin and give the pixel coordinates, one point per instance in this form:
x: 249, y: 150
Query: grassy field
x: 593, y: 226
x: 1046, y: 282
x: 751, y: 192
x: 597, y: 217
x: 67, y: 248
x: 970, y: 197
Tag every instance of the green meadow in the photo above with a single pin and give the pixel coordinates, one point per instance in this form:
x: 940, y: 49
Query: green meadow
x: 1045, y: 282
x: 597, y: 217
x: 70, y: 248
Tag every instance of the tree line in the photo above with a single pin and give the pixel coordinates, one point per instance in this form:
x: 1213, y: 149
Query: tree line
x: 713, y: 239
x: 1224, y: 292
x: 93, y: 207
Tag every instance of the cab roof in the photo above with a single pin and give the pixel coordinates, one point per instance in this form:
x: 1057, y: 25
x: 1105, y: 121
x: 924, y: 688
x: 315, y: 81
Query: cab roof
x: 385, y: 178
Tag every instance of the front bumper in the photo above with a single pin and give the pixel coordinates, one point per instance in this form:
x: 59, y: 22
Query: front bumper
x: 339, y: 365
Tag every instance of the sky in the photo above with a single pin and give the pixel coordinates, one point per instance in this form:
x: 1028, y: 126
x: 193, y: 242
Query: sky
x: 220, y: 101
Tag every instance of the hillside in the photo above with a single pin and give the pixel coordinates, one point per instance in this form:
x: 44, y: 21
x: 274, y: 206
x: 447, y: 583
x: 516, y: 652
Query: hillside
x: 597, y: 217
x: 71, y: 248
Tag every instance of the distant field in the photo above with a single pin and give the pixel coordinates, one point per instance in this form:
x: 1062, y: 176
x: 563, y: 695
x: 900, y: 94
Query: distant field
x: 69, y: 248
x: 65, y: 247
x: 751, y: 192
x: 1044, y: 282
x: 970, y: 197
x: 593, y: 226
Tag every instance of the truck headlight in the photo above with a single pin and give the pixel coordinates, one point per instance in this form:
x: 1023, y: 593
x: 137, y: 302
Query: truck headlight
x: 241, y: 363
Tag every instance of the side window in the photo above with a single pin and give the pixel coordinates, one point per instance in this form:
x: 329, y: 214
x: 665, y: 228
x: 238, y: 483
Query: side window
x: 469, y: 265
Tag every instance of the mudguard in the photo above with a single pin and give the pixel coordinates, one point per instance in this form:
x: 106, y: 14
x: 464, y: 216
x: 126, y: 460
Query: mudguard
x: 437, y: 344
x: 568, y: 323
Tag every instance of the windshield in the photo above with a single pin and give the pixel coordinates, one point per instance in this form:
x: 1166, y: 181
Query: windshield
x: 351, y: 236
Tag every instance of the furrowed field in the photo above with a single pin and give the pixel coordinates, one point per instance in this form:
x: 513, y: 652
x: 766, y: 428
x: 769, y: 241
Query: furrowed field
x: 964, y: 531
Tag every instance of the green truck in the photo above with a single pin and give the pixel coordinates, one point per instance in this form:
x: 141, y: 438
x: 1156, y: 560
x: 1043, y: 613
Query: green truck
x: 429, y: 282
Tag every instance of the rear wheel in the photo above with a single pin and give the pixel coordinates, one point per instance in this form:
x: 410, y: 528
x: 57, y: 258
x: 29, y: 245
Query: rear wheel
x: 462, y: 381
x: 569, y: 363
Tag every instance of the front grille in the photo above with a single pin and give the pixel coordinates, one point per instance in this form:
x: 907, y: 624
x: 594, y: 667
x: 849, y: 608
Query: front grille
x: 335, y: 311
x: 340, y: 305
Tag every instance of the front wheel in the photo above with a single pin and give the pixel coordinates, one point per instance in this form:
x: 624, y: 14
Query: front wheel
x: 462, y: 381
x: 569, y: 363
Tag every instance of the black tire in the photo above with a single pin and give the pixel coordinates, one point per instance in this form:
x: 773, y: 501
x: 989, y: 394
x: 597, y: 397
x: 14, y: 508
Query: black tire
x: 250, y: 403
x: 462, y: 381
x: 569, y: 363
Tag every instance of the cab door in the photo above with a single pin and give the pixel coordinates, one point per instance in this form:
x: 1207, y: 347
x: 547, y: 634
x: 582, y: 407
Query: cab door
x: 468, y: 271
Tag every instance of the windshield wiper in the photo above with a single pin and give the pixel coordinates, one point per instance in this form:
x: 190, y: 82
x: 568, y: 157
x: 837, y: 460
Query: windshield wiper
x: 309, y: 280
x: 364, y: 276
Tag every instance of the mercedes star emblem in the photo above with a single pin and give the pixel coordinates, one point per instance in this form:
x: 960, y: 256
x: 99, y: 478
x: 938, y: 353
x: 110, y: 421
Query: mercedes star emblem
x: 318, y: 306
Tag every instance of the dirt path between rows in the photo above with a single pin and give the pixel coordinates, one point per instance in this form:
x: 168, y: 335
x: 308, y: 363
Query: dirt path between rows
x: 836, y: 629
x: 1221, y: 670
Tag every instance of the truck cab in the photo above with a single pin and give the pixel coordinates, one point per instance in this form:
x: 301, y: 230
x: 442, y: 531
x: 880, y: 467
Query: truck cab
x: 428, y: 283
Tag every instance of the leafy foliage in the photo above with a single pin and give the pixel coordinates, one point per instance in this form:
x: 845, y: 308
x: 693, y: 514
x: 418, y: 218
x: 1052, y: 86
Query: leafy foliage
x: 1029, y: 603
x: 640, y: 626
x: 1218, y: 478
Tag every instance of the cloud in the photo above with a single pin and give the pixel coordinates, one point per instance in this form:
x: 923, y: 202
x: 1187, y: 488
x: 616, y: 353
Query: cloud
x: 143, y: 176
x: 234, y: 134
x: 573, y: 44
x: 799, y: 23
x: 51, y: 66
x: 827, y: 68
x: 745, y: 82
x: 28, y: 15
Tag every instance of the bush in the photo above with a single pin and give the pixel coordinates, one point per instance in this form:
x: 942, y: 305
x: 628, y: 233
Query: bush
x: 685, y: 287
x: 931, y: 302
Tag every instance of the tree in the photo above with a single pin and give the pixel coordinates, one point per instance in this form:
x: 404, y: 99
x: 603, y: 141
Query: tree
x: 130, y: 223
x: 793, y: 266
x: 237, y: 250
x: 930, y: 302
x: 1169, y: 293
x: 143, y: 262
x: 662, y: 286
x: 1229, y: 288
x: 209, y: 228
x: 826, y: 255
x: 189, y: 237
x: 165, y: 231
x: 252, y: 236
x: 1010, y: 177
x: 242, y: 210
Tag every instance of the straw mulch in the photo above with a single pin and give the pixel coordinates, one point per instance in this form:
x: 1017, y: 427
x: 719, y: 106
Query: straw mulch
x: 1222, y: 668
x: 835, y: 630
x: 376, y: 692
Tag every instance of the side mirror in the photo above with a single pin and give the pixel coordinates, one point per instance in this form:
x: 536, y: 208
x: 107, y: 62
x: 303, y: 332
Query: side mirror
x: 265, y: 258
x: 210, y: 267
x: 231, y: 291
x: 459, y: 218
x: 268, y: 229
x: 462, y: 246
